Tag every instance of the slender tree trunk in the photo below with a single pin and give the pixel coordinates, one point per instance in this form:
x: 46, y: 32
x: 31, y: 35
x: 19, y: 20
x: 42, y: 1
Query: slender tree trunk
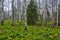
x: 2, y: 19
x: 52, y: 14
x: 45, y: 13
x: 57, y: 11
x: 19, y: 11
x: 12, y: 12
x: 8, y: 9
x: 39, y: 14
x: 19, y: 4
x: 25, y: 15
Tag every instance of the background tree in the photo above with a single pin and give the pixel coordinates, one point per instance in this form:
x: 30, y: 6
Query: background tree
x: 19, y: 8
x: 57, y: 11
x: 39, y: 17
x: 2, y: 18
x: 45, y: 12
x: 0, y: 9
x: 59, y: 15
x: 12, y: 12
x: 8, y: 10
x: 54, y: 12
x: 25, y: 14
x: 48, y: 14
x: 32, y: 15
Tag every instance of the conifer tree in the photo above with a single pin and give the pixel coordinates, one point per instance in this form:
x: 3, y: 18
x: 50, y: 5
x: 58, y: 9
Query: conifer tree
x: 32, y: 15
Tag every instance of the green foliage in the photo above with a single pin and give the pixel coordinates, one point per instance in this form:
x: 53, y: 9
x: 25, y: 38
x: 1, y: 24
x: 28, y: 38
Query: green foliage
x: 49, y: 24
x: 32, y: 13
x: 17, y: 32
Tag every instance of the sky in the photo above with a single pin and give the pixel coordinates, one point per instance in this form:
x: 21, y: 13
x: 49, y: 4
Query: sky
x: 6, y: 5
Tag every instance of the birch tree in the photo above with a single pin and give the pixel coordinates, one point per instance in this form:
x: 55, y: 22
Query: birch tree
x: 57, y: 10
x: 0, y: 9
x: 19, y: 5
x: 45, y: 12
x: 58, y: 14
x: 54, y: 12
x: 8, y: 9
x: 25, y: 14
x: 2, y: 17
x: 12, y: 12
x: 39, y: 13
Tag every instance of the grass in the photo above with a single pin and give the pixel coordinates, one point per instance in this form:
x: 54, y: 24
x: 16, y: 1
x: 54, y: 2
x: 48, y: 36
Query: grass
x: 17, y: 32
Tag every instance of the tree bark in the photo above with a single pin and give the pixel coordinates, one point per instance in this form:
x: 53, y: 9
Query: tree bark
x: 39, y: 20
x: 12, y: 13
x: 2, y: 19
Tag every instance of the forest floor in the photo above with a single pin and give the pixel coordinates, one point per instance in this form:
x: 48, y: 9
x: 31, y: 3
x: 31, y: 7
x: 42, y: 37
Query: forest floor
x: 17, y: 32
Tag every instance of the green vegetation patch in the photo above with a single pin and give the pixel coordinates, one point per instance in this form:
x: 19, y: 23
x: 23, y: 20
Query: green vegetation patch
x: 17, y: 32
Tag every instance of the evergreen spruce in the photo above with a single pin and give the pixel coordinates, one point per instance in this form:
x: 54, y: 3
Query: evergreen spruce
x: 32, y: 15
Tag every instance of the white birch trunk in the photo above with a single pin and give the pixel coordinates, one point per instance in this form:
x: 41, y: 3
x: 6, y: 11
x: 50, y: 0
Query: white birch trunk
x: 2, y: 15
x: 52, y: 14
x: 19, y: 4
x: 25, y: 13
x: 39, y: 13
x: 20, y: 11
x: 2, y: 10
x: 45, y: 12
x: 12, y: 12
x: 8, y: 9
x: 57, y: 11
